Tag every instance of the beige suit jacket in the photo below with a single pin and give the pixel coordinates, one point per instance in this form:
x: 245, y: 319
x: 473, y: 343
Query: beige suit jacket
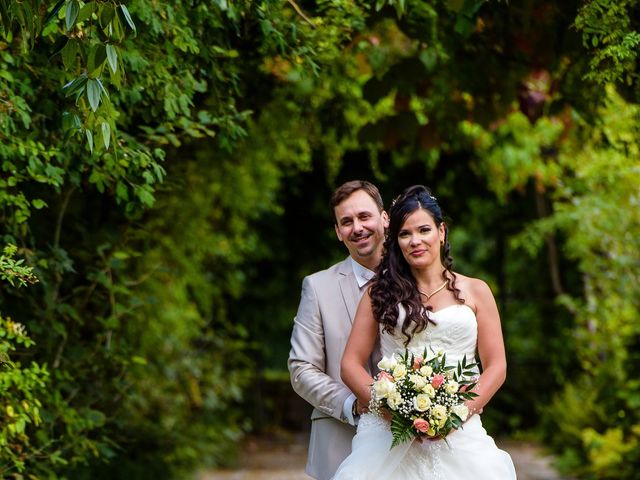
x: 321, y: 328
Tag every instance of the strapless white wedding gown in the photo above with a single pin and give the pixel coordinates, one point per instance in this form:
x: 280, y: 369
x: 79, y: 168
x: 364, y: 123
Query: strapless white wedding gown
x: 468, y: 454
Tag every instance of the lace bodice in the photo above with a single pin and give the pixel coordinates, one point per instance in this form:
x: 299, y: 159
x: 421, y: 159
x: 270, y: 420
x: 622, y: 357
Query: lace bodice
x: 455, y: 332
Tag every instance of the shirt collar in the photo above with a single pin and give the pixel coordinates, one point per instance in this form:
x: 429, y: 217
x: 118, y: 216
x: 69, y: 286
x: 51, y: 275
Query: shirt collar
x: 362, y: 274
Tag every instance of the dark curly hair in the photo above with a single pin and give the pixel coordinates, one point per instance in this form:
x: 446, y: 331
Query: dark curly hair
x: 394, y: 283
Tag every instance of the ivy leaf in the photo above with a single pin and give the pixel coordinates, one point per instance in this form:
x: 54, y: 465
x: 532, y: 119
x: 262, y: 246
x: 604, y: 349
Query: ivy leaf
x: 53, y: 13
x: 71, y: 14
x: 89, y: 139
x: 76, y: 85
x: 106, y: 134
x: 93, y: 94
x: 97, y: 56
x: 69, y: 53
x: 127, y: 17
x: 85, y: 12
x: 106, y: 15
x: 59, y: 44
x: 112, y: 57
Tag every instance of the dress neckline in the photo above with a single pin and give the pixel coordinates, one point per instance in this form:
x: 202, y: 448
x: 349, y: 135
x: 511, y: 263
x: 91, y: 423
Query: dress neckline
x: 452, y: 305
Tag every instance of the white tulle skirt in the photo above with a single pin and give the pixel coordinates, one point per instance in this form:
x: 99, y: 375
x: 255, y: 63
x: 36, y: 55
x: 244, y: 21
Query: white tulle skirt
x: 468, y: 453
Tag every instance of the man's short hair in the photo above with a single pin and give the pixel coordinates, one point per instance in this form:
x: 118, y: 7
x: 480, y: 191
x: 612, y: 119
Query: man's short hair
x: 347, y: 188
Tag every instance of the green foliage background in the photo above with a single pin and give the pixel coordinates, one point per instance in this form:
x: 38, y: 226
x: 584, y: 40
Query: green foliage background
x: 165, y: 171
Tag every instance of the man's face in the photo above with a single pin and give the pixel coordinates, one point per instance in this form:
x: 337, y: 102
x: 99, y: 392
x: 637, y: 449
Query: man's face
x: 361, y: 227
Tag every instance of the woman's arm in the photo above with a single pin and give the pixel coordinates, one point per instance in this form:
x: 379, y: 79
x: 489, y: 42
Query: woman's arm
x: 361, y: 343
x: 490, y: 346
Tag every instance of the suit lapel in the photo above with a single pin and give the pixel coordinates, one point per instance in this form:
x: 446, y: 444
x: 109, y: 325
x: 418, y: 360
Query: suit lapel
x: 349, y: 288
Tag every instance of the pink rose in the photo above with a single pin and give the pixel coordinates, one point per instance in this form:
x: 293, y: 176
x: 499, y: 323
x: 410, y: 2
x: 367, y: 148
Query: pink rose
x: 417, y: 363
x: 421, y: 425
x: 385, y: 376
x: 437, y: 380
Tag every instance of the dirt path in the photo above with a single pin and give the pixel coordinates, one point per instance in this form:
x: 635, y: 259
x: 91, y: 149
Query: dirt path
x: 282, y: 457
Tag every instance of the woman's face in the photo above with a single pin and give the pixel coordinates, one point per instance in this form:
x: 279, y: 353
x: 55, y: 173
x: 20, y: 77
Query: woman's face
x: 419, y: 239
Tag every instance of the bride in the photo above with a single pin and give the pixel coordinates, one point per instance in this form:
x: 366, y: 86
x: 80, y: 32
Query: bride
x: 417, y: 301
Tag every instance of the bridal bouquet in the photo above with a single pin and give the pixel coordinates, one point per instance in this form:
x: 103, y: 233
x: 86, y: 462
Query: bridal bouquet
x: 424, y: 395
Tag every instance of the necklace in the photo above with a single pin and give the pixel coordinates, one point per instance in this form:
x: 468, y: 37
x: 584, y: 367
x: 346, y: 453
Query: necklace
x: 429, y: 295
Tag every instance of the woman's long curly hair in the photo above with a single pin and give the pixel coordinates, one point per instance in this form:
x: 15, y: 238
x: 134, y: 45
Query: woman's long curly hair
x: 394, y: 283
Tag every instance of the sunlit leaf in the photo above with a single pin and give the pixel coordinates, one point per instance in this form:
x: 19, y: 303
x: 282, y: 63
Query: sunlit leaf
x: 93, y: 94
x: 89, y: 139
x: 73, y: 8
x: 106, y: 134
x: 112, y: 57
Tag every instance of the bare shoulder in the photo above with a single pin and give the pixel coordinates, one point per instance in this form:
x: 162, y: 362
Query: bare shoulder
x: 474, y: 291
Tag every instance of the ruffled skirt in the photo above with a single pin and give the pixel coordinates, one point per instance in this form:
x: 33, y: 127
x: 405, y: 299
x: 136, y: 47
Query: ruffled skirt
x: 468, y: 453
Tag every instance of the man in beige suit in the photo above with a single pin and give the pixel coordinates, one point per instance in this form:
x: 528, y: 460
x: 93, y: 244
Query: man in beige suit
x: 322, y: 325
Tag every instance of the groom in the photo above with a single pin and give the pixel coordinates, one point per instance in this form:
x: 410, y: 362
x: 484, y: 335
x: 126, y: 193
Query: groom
x: 323, y: 323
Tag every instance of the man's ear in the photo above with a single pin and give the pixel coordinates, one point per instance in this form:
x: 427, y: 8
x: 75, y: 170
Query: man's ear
x: 338, y: 232
x: 385, y: 219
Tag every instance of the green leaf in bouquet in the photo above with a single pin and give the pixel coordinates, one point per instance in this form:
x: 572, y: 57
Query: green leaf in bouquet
x: 401, y: 429
x: 436, y: 364
x: 447, y: 427
x: 456, y: 421
x: 470, y: 385
x: 468, y: 395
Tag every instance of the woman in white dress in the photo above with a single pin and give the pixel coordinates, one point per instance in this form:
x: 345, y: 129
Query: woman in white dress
x: 417, y: 301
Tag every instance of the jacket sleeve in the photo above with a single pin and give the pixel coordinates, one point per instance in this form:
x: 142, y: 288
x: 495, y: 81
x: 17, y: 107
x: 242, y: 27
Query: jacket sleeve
x: 307, y: 358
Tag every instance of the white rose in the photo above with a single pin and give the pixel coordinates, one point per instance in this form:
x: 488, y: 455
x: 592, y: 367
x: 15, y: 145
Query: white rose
x: 422, y: 402
x: 426, y: 370
x: 451, y: 387
x: 394, y: 400
x: 429, y: 390
x: 418, y: 381
x: 400, y: 371
x: 383, y: 388
x: 439, y: 412
x: 387, y: 363
x: 461, y: 410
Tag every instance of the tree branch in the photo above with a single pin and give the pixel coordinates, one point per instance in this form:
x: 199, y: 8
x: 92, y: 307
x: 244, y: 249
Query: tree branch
x: 301, y: 13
